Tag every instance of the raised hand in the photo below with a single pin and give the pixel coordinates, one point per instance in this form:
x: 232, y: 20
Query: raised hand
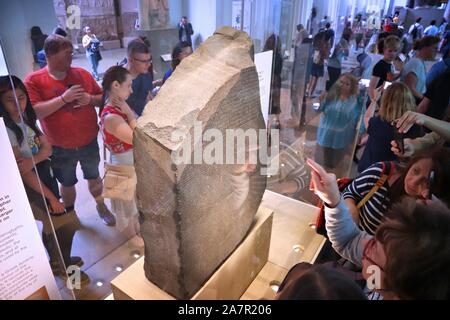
x: 324, y: 184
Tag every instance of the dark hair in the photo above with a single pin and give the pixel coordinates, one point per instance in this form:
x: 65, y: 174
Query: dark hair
x: 416, y: 242
x: 441, y: 167
x: 184, y: 17
x: 318, y: 282
x: 327, y: 25
x: 36, y: 31
x: 299, y: 27
x: 346, y: 36
x: 433, y: 22
x: 56, y: 43
x: 426, y: 41
x: 60, y: 31
x: 176, y: 53
x: 272, y: 43
x: 137, y: 46
x: 115, y: 73
x: 418, y: 20
x: 29, y: 116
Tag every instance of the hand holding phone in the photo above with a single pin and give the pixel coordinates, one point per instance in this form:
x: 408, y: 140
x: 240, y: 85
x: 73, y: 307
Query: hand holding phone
x: 76, y: 92
x: 399, y: 139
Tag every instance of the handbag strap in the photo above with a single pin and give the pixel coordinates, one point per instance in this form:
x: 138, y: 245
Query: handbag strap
x: 376, y: 187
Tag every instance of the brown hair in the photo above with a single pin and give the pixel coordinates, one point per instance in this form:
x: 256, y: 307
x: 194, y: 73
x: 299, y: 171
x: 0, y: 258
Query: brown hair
x: 318, y: 282
x: 416, y: 242
x: 396, y: 100
x: 56, y: 43
x: 441, y: 167
x: 426, y: 41
x: 115, y: 73
x: 137, y: 46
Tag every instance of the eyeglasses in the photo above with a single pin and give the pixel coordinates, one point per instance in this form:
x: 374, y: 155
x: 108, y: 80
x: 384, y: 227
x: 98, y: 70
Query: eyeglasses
x: 144, y: 61
x: 368, y: 249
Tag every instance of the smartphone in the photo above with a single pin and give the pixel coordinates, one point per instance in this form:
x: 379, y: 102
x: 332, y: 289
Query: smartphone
x: 75, y: 106
x: 431, y: 181
x: 387, y: 84
x: 398, y: 137
x: 365, y: 82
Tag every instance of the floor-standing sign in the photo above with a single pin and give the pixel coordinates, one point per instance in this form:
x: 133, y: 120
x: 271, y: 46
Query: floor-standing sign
x: 25, y: 272
x: 263, y: 62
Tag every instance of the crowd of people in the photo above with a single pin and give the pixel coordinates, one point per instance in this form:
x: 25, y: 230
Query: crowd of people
x: 393, y: 217
x: 72, y: 109
x: 392, y: 220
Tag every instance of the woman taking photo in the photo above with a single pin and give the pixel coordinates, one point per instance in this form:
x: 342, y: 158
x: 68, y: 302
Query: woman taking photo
x: 341, y: 111
x: 412, y: 181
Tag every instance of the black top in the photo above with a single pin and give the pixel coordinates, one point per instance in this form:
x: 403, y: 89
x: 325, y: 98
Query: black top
x: 384, y: 71
x: 439, y: 96
x: 189, y: 32
x: 378, y: 147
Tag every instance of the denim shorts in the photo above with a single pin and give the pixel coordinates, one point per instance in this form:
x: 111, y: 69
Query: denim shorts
x: 65, y: 161
x: 317, y: 71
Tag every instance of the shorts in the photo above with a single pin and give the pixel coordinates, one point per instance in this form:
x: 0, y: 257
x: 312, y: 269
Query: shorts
x: 65, y: 161
x: 317, y: 71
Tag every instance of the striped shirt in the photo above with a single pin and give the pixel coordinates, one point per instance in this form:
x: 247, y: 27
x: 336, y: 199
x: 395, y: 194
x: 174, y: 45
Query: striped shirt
x: 373, y: 211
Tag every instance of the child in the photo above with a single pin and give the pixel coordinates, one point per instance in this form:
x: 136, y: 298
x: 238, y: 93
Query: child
x: 384, y: 70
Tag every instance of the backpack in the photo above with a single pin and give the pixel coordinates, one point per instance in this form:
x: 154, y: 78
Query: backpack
x: 342, y: 185
x: 414, y: 32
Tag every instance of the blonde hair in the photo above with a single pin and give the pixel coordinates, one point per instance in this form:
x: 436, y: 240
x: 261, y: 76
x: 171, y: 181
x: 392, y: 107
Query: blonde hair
x: 336, y: 89
x: 396, y: 100
x: 392, y: 42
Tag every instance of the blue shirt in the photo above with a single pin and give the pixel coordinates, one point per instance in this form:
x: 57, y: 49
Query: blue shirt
x: 338, y: 122
x: 142, y: 85
x: 431, y: 31
x: 417, y: 67
x: 167, y: 75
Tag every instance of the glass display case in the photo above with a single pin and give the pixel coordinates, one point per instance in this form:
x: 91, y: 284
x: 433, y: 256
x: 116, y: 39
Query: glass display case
x: 94, y: 244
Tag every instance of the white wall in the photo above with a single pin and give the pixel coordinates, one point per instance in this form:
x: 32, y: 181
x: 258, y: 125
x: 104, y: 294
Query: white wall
x: 224, y: 13
x: 16, y: 19
x: 203, y: 17
x: 176, y: 12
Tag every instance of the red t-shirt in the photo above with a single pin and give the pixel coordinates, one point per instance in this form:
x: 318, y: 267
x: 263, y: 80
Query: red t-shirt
x: 68, y: 127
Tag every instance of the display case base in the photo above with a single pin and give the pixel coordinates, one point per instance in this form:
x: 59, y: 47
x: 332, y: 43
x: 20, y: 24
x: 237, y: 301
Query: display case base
x: 229, y: 282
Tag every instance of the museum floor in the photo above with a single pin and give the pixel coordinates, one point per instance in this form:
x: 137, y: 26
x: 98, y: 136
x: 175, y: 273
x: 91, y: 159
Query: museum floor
x: 107, y: 251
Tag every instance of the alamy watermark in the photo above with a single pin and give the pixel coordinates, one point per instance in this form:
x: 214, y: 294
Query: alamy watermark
x: 73, y: 277
x: 73, y: 21
x: 232, y: 147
